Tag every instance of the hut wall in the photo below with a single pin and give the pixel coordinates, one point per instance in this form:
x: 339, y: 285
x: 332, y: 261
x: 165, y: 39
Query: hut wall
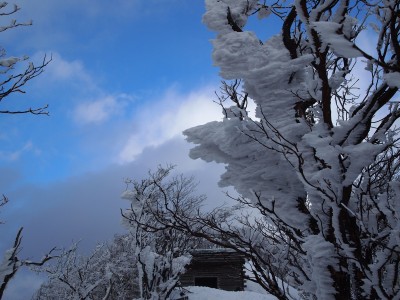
x: 226, y: 267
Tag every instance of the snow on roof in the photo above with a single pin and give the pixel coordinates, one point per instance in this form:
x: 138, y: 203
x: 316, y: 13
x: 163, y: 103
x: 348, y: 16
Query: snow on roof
x: 213, y: 250
x: 204, y: 293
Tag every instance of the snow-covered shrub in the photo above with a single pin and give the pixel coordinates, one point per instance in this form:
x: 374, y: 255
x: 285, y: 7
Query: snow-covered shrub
x: 162, y: 251
x: 108, y: 272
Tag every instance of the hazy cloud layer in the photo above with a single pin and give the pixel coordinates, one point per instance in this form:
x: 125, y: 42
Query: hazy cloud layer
x: 162, y: 120
x: 87, y: 207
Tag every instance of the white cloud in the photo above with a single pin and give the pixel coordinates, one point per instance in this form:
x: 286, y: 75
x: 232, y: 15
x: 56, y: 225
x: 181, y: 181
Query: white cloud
x: 16, y: 154
x: 62, y: 70
x: 65, y: 70
x: 73, y: 74
x: 99, y: 110
x: 167, y: 118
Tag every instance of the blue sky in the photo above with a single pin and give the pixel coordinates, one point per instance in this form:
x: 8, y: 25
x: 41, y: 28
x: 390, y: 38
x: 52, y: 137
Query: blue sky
x: 109, y: 62
x: 126, y: 77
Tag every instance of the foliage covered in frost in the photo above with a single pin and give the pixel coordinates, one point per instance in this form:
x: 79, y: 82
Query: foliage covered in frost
x: 108, y: 272
x: 162, y: 252
x: 320, y: 162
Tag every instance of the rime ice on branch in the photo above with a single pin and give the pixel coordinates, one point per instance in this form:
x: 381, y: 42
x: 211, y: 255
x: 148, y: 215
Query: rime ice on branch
x: 11, y: 81
x: 321, y: 159
x: 162, y: 251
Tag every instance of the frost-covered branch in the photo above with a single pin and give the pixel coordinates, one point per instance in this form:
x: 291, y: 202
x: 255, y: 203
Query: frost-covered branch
x: 4, y: 200
x: 162, y: 251
x: 108, y: 272
x: 11, y: 263
x: 175, y: 221
x: 320, y: 162
x: 12, y: 81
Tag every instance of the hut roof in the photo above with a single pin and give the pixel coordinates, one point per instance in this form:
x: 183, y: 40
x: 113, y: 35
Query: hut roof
x: 217, y: 255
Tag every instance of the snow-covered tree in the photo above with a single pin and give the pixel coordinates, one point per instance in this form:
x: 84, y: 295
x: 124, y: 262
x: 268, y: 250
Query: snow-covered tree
x: 123, y: 267
x: 162, y: 251
x: 74, y: 276
x: 108, y: 272
x: 235, y: 227
x: 320, y: 159
x: 13, y: 82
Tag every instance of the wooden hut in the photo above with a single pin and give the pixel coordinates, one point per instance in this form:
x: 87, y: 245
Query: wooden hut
x: 216, y: 268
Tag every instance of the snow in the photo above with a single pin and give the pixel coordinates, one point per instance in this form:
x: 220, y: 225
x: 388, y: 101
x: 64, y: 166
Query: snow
x: 9, y: 62
x: 392, y: 79
x: 338, y: 42
x: 205, y: 293
x: 321, y: 254
x: 216, y: 250
x: 8, y: 264
x: 128, y: 195
x: 215, y: 16
x: 264, y: 12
